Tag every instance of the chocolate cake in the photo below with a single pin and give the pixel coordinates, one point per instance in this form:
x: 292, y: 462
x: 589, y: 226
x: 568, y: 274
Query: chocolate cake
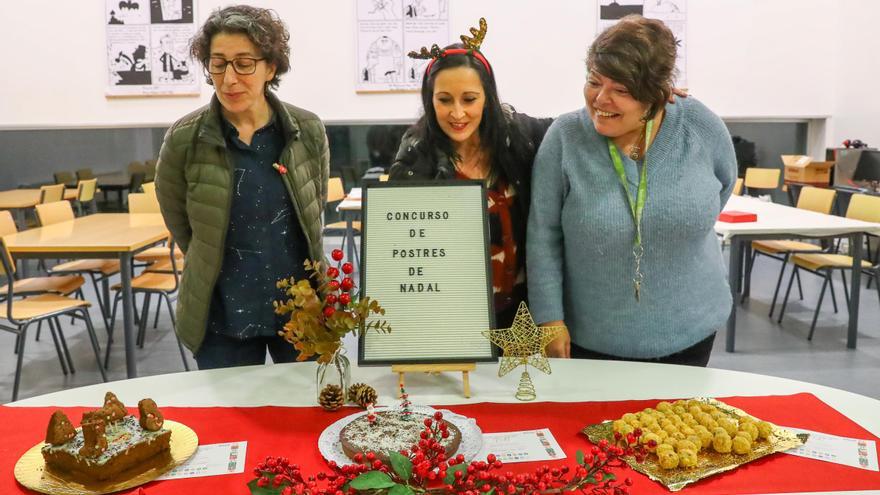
x: 391, y: 432
x: 108, y: 442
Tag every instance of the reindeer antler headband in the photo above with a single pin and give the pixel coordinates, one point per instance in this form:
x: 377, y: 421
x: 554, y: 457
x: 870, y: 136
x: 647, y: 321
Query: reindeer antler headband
x: 472, y: 44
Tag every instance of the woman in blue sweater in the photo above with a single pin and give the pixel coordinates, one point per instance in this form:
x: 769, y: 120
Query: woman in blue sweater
x: 621, y: 247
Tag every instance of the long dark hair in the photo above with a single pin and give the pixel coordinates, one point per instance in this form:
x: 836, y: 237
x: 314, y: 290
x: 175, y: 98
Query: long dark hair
x: 498, y: 134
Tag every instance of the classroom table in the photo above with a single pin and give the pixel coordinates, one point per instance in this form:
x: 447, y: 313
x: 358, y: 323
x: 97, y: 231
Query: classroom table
x: 19, y: 200
x: 102, y: 235
x: 114, y: 181
x: 777, y: 221
x: 230, y: 404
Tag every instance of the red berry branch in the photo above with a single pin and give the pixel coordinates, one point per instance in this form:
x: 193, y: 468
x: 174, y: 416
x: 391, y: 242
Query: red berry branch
x: 424, y: 469
x: 322, y: 311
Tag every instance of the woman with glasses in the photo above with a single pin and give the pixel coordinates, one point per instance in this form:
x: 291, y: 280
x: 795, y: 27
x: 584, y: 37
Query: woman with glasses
x: 242, y: 183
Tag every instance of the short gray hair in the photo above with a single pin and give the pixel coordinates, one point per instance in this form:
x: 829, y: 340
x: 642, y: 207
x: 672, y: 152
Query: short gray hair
x: 262, y: 26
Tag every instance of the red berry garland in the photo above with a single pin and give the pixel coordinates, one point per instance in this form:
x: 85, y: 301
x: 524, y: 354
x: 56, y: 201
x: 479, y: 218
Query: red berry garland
x: 424, y: 469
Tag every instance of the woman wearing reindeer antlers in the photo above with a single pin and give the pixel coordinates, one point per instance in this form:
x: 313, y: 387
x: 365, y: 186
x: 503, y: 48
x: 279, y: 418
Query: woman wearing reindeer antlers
x: 466, y: 133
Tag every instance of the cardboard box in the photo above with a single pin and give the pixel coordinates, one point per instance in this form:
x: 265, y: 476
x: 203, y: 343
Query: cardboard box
x: 803, y: 170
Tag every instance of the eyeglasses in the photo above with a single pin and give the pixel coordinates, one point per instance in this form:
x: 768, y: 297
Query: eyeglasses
x: 243, y: 66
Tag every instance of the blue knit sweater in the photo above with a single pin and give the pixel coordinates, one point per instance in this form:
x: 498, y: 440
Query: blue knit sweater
x: 580, y: 235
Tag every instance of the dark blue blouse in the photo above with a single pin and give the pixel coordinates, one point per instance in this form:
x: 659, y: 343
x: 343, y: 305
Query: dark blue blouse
x: 264, y: 241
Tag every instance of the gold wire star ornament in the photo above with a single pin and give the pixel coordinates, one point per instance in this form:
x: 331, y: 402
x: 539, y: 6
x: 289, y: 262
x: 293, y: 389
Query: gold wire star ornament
x: 523, y: 344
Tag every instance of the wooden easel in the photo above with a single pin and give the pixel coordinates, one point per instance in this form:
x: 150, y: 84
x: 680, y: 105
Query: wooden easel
x: 465, y: 368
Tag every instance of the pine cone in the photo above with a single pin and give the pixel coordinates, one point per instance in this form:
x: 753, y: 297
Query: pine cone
x: 332, y: 398
x: 362, y: 394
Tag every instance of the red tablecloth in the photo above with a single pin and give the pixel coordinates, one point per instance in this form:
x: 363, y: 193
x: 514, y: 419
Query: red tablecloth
x: 293, y: 432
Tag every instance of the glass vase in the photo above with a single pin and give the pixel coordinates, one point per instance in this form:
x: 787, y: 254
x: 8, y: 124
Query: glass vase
x: 336, y: 372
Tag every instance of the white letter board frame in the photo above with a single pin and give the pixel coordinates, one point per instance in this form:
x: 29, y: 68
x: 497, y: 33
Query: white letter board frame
x: 442, y: 326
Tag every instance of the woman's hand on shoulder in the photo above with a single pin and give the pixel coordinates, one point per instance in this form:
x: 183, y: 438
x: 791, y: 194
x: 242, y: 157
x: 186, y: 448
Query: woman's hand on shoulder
x: 560, y: 347
x: 679, y: 92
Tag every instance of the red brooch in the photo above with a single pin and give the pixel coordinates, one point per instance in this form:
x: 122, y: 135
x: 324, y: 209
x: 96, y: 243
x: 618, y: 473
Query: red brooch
x: 280, y: 168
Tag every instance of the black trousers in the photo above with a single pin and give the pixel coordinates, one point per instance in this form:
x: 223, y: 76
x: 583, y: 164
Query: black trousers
x: 695, y: 355
x: 221, y: 351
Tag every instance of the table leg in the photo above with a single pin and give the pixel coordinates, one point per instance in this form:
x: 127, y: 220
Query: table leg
x: 349, y: 237
x: 853, y: 329
x: 733, y: 274
x: 20, y: 219
x: 128, y: 314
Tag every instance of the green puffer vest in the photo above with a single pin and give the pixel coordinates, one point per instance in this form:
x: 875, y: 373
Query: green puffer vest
x: 194, y: 180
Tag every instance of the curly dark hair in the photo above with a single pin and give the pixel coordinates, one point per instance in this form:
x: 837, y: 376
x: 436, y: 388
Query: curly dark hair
x: 504, y: 140
x: 640, y: 54
x: 262, y: 26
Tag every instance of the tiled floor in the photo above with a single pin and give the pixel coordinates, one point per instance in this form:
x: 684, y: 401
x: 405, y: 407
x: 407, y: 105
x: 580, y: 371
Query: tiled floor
x: 762, y: 346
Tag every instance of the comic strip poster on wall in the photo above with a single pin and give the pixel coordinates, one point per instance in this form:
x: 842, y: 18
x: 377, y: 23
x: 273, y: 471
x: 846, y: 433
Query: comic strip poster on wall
x: 148, y: 47
x: 673, y: 13
x: 389, y: 29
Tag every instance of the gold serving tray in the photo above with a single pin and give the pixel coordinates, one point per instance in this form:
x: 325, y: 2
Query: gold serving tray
x: 31, y: 472
x: 710, y: 462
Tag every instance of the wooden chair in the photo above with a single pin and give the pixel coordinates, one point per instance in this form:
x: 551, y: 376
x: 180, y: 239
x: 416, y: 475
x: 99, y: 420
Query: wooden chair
x: 136, y: 168
x: 738, y: 187
x: 99, y: 270
x: 150, y: 169
x: 64, y: 177
x: 149, y: 187
x: 85, y: 196
x: 336, y: 193
x: 163, y: 285
x: 51, y: 194
x: 813, y: 199
x: 48, y: 300
x: 149, y: 203
x: 135, y: 181
x: 33, y: 285
x: 143, y: 203
x: 861, y: 207
x: 762, y: 179
x: 85, y: 174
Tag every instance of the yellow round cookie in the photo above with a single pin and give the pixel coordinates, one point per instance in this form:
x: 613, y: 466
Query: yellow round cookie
x: 705, y: 436
x: 663, y: 447
x: 668, y: 459
x: 696, y: 440
x: 765, y: 429
x: 687, y: 458
x: 751, y: 429
x: 729, y: 426
x: 721, y: 443
x: 646, y: 441
x: 742, y: 444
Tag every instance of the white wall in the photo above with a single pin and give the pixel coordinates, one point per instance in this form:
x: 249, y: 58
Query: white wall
x: 856, y: 113
x: 746, y: 59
